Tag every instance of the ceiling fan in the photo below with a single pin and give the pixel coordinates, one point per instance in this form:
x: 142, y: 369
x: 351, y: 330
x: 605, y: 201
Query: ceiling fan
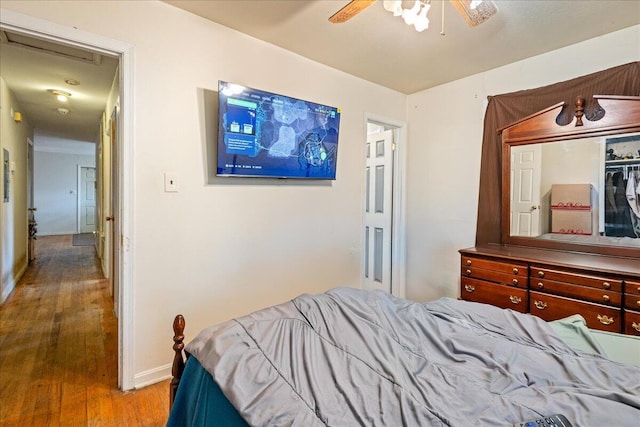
x: 473, y: 12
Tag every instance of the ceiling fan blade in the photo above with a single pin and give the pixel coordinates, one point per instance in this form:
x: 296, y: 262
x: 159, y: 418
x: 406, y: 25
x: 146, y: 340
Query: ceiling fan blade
x: 477, y: 16
x: 350, y: 10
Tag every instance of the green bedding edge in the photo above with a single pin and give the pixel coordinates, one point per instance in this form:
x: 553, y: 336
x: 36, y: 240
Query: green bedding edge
x: 617, y: 347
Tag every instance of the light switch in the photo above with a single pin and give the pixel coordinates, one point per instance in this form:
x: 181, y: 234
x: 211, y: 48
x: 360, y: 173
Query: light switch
x: 170, y: 183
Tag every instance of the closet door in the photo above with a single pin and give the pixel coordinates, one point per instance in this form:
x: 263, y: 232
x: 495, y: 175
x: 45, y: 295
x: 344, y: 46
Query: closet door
x: 378, y: 216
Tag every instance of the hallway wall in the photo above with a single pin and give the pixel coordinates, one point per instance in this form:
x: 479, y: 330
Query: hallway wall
x: 13, y: 214
x: 56, y: 185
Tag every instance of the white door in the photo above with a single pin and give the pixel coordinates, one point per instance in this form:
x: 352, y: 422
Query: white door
x: 87, y: 205
x: 525, y: 212
x: 378, y: 211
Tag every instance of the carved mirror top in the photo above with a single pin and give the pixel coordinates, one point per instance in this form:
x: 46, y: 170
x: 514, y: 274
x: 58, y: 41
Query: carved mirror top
x: 612, y: 114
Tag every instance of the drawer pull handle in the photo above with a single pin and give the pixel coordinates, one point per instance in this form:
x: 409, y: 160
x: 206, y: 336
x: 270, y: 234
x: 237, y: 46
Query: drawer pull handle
x: 638, y: 303
x: 515, y: 282
x: 636, y: 326
x: 605, y: 298
x: 468, y: 272
x: 515, y: 271
x: 606, y: 285
x: 515, y: 299
x: 541, y: 274
x: 541, y: 305
x: 469, y: 288
x: 469, y: 262
x: 540, y: 285
x: 638, y: 288
x: 605, y: 320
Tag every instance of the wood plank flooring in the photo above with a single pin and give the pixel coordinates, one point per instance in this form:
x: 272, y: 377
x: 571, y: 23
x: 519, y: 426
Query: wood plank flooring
x: 58, y: 348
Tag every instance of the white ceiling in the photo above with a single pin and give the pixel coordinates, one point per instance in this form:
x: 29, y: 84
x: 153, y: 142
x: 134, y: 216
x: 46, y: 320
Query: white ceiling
x: 31, y: 72
x: 374, y: 46
x: 381, y: 48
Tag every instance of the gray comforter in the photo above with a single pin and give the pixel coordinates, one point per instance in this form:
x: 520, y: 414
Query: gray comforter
x: 356, y: 358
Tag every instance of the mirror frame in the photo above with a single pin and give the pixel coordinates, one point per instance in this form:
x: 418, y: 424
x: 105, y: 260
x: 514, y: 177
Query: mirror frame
x: 621, y: 115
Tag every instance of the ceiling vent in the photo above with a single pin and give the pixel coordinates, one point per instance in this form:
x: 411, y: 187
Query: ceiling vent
x: 44, y: 46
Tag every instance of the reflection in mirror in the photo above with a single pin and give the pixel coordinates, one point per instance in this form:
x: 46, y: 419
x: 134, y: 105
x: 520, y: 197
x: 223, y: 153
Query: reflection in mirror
x: 582, y: 191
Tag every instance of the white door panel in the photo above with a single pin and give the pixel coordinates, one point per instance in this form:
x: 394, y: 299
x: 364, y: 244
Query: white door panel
x: 378, y: 211
x: 526, y: 163
x: 87, y: 197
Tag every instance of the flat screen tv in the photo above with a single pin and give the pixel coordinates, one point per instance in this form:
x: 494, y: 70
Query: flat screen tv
x: 262, y: 134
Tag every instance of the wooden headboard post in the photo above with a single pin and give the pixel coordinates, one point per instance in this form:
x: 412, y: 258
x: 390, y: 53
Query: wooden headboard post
x: 178, y: 360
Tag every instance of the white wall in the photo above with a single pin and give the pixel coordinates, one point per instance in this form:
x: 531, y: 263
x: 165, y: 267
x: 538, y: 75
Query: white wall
x: 446, y: 125
x: 13, y: 214
x: 56, y: 182
x: 224, y: 247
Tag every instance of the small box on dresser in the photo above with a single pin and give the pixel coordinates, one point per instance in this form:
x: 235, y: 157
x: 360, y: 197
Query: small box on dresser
x: 572, y: 209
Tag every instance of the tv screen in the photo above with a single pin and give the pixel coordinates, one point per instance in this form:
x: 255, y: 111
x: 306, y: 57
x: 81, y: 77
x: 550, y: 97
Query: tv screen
x: 262, y: 134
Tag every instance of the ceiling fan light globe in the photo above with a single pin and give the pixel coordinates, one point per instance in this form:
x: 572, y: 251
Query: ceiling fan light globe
x: 391, y: 5
x: 421, y: 22
x: 410, y: 15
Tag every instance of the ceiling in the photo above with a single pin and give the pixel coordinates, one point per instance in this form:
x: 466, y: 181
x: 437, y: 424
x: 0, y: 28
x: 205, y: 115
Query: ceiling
x: 381, y: 48
x: 31, y: 67
x: 373, y: 45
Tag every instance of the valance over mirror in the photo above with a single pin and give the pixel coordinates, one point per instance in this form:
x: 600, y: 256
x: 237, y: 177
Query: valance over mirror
x: 509, y: 108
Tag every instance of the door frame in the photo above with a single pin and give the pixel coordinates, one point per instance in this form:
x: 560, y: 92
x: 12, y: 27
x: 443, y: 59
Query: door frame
x: 398, y: 224
x: 57, y: 33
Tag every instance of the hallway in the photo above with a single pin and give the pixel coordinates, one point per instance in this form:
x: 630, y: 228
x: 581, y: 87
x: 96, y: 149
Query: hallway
x: 58, y: 338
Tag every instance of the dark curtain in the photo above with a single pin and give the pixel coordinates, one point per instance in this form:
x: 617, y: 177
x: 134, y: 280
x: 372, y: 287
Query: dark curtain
x: 508, y: 108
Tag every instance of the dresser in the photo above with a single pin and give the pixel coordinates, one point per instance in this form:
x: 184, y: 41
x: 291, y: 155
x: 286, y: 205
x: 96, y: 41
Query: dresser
x: 555, y: 284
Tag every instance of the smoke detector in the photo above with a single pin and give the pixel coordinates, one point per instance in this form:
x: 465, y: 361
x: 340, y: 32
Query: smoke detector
x: 63, y: 111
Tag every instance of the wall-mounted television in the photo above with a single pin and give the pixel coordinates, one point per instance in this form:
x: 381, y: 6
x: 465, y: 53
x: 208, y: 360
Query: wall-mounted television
x: 263, y: 134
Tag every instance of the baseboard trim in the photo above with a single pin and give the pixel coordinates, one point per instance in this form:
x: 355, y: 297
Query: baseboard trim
x: 152, y: 376
x: 11, y: 283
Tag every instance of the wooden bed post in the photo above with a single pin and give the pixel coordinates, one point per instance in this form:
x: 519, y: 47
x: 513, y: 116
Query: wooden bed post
x: 178, y: 360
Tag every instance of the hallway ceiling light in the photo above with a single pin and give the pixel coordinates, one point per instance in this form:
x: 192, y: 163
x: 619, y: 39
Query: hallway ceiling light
x: 61, y: 95
x: 63, y: 111
x: 72, y: 82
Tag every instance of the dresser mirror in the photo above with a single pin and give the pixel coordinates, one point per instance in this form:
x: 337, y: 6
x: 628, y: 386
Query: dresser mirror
x: 574, y: 187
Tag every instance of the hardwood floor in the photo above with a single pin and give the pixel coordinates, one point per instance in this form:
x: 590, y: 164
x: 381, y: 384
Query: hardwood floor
x: 58, y: 339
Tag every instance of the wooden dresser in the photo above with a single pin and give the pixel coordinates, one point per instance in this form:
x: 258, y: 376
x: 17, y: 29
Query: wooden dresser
x: 555, y: 284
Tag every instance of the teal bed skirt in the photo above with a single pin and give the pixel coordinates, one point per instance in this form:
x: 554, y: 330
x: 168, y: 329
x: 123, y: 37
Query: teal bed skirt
x: 200, y: 402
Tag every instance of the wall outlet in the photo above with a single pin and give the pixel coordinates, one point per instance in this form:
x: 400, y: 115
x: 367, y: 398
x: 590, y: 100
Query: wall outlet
x: 170, y: 183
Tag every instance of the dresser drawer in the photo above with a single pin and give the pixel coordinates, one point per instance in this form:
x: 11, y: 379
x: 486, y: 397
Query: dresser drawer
x: 551, y: 307
x: 495, y: 276
x: 494, y: 294
x: 606, y: 283
x: 576, y: 291
x: 632, y: 288
x: 515, y: 268
x: 632, y: 301
x: 632, y: 323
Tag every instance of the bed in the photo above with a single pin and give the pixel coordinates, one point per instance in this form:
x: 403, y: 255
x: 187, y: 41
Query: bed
x: 351, y: 357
